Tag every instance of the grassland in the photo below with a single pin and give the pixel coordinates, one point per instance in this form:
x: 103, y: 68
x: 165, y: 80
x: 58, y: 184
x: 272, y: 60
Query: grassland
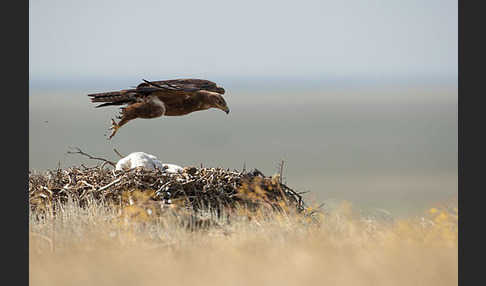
x: 101, y: 244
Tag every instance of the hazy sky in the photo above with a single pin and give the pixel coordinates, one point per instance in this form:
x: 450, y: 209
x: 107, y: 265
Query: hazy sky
x: 164, y: 39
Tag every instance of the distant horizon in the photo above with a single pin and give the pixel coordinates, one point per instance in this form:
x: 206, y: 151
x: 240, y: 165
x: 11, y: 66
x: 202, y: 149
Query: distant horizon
x: 448, y: 81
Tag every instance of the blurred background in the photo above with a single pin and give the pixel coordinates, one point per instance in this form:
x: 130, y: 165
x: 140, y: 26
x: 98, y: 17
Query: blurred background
x: 359, y: 98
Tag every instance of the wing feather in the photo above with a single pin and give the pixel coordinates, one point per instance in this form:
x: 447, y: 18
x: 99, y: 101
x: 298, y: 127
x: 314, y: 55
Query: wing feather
x: 186, y: 84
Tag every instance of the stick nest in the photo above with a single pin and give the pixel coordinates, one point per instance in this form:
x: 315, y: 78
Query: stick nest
x: 193, y: 188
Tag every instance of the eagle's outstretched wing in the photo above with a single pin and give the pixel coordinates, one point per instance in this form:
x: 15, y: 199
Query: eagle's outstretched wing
x: 188, y: 85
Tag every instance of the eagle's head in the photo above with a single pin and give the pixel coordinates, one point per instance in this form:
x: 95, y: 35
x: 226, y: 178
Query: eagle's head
x: 216, y: 100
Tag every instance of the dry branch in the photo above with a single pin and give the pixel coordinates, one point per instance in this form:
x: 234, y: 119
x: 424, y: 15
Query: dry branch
x: 79, y: 151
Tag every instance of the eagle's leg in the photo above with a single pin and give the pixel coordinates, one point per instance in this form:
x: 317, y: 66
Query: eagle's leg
x: 150, y: 108
x: 125, y: 117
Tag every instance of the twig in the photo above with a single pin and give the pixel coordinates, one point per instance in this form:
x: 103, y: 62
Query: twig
x: 79, y: 151
x: 118, y: 153
x: 103, y: 165
x: 109, y: 185
x: 88, y: 184
x: 281, y: 171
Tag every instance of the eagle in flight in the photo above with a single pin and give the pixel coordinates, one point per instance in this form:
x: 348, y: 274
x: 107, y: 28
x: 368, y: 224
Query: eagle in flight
x: 152, y: 99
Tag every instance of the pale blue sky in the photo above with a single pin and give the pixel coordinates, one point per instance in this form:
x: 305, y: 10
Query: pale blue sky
x: 242, y: 39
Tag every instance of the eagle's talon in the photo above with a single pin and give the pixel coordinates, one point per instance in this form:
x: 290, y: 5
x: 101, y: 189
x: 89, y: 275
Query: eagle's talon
x: 114, y: 127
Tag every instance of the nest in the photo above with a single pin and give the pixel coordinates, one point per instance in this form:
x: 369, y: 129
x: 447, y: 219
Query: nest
x: 193, y: 188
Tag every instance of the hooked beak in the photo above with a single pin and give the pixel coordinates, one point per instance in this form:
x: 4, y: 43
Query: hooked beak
x: 226, y: 109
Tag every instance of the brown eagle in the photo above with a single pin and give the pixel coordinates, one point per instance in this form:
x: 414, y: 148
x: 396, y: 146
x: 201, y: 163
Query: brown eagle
x: 152, y: 99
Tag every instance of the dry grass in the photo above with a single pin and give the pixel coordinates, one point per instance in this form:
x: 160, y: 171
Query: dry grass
x: 105, y: 245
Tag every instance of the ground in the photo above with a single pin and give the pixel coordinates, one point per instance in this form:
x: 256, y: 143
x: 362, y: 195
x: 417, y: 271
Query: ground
x: 108, y: 245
